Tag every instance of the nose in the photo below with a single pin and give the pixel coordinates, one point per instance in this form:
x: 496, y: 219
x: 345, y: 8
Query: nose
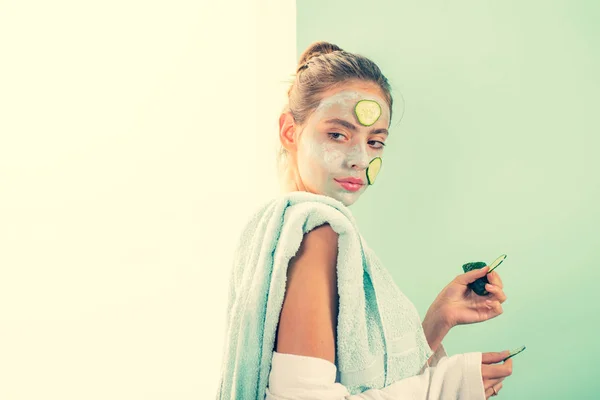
x: 358, y: 158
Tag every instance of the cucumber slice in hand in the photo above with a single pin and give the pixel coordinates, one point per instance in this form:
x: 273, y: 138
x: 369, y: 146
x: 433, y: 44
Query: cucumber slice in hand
x: 373, y: 169
x: 515, y: 352
x: 497, y: 262
x: 479, y: 285
x: 367, y: 112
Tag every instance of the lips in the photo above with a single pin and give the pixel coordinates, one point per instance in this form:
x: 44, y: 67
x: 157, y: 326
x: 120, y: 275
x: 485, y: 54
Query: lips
x: 355, y: 181
x: 350, y: 184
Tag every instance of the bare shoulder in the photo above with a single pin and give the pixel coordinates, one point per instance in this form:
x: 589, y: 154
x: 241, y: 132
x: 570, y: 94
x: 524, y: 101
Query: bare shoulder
x: 322, y: 237
x: 308, y: 319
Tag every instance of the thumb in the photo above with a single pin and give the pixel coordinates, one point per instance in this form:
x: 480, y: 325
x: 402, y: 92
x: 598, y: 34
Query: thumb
x: 472, y: 276
x: 494, y: 357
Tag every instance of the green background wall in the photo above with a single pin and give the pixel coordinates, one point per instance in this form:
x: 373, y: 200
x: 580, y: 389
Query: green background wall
x: 497, y: 153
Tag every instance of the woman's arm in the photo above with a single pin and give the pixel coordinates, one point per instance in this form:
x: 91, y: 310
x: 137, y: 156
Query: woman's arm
x: 435, y: 330
x: 308, y: 320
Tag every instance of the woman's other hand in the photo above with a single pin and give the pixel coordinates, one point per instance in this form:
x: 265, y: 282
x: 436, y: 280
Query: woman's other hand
x: 457, y: 304
x: 492, y: 373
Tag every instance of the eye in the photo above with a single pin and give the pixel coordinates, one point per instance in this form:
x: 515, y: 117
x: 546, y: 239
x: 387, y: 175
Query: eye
x: 380, y: 146
x: 336, y: 136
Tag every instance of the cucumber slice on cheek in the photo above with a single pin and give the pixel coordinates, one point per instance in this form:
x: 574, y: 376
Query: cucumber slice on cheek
x: 479, y: 285
x: 373, y: 169
x: 367, y: 112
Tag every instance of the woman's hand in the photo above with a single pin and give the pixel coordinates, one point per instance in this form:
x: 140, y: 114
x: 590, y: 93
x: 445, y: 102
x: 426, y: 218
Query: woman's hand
x: 457, y: 304
x: 493, y: 375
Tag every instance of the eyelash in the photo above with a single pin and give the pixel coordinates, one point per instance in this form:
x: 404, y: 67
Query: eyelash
x: 376, y: 141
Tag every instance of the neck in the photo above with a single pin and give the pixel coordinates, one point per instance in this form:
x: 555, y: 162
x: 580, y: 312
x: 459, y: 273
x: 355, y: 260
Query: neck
x: 291, y: 182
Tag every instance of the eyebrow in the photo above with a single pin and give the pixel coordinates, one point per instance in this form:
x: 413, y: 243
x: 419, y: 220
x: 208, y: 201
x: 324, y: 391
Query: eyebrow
x: 352, y: 127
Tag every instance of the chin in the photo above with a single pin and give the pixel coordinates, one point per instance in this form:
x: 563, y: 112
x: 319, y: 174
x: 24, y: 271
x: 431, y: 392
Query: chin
x: 348, y: 198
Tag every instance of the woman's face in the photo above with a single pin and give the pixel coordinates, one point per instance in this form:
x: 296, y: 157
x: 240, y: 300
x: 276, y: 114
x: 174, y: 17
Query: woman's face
x: 333, y: 146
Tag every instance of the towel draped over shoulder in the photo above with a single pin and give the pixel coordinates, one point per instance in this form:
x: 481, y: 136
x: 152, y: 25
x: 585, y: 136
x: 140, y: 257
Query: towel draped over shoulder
x: 379, y: 334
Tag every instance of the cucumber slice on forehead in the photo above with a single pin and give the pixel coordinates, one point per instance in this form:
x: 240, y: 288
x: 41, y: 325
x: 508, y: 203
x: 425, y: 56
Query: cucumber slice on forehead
x: 367, y: 112
x: 373, y: 169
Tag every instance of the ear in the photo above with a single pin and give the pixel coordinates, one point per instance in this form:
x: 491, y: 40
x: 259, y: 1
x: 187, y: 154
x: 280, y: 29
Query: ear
x: 287, y: 130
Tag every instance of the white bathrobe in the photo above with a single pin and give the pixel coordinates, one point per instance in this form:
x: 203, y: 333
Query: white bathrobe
x: 295, y: 377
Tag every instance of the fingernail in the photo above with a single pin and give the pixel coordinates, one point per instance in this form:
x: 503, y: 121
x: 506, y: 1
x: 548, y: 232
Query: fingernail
x: 489, y: 286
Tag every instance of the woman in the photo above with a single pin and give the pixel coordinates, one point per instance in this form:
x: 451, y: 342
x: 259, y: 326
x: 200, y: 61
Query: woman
x: 332, y: 135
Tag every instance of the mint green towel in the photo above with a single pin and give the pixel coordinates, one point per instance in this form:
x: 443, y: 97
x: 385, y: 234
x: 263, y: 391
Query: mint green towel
x: 379, y: 334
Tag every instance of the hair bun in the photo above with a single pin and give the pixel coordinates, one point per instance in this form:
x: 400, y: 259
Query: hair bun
x: 317, y: 49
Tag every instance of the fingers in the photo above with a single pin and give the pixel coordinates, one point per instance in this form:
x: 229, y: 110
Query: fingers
x: 495, y: 306
x: 496, y: 291
x: 493, y: 390
x: 471, y: 276
x: 494, y: 279
x: 494, y: 357
x: 496, y: 371
x: 492, y: 382
x: 493, y: 375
